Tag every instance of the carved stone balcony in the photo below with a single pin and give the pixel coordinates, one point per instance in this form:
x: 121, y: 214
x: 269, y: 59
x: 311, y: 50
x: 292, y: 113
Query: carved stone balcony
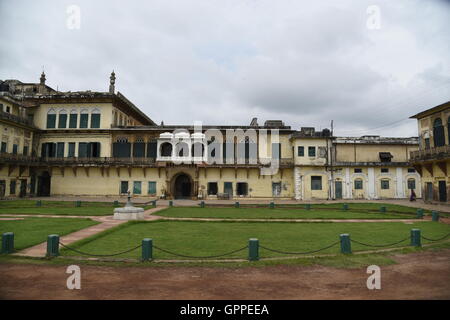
x: 438, y: 153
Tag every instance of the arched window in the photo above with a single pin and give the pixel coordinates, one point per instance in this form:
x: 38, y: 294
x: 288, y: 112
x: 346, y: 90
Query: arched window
x: 448, y: 129
x: 73, y: 119
x: 84, y: 118
x: 95, y: 118
x: 182, y: 149
x: 62, y: 121
x: 358, y: 184
x: 166, y: 149
x: 438, y: 133
x: 51, y: 119
x: 411, y: 184
x: 115, y: 118
x: 198, y: 150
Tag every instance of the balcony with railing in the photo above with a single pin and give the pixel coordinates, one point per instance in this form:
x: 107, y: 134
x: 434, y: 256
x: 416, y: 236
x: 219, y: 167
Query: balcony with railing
x: 437, y: 153
x: 17, y: 119
x: 19, y: 159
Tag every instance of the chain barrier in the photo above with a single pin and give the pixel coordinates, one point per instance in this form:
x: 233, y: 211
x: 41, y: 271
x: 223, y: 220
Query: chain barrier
x: 307, y: 252
x: 197, y: 257
x: 379, y: 245
x: 99, y: 255
x: 448, y: 234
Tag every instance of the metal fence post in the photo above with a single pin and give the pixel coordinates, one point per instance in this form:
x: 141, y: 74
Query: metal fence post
x: 272, y: 205
x: 345, y: 207
x: 236, y: 204
x: 78, y: 203
x: 253, y: 249
x: 434, y: 216
x: 202, y: 204
x: 346, y: 246
x: 38, y: 203
x: 53, y: 245
x: 170, y: 203
x: 116, y: 203
x: 419, y: 214
x: 147, y: 249
x: 308, y: 206
x: 7, y: 242
x: 416, y: 238
x: 383, y: 209
x: 154, y: 203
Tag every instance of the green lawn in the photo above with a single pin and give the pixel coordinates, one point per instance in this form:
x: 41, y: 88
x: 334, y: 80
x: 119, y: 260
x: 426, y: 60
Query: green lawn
x: 213, y: 238
x: 370, y: 206
x: 277, y: 213
x: 58, y: 208
x: 31, y: 231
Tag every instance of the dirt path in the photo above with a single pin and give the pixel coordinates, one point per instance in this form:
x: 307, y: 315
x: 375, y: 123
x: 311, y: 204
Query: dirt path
x: 424, y: 275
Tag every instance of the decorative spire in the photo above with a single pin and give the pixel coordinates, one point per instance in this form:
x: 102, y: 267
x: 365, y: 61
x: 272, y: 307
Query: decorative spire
x: 112, y: 81
x: 42, y: 78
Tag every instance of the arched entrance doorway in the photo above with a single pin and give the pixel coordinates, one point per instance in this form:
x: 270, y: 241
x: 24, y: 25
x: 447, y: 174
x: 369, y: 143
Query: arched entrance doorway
x: 182, y: 186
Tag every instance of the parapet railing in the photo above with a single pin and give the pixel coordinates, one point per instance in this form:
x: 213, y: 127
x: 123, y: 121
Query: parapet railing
x: 432, y: 153
x: 15, y: 118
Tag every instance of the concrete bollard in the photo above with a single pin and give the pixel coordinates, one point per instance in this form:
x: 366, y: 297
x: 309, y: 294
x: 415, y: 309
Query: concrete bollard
x: 419, y: 214
x: 345, y: 207
x: 147, y: 249
x: 346, y: 246
x: 202, y: 204
x: 78, y: 203
x: 170, y: 203
x: 253, y: 249
x: 236, y: 204
x: 272, y: 205
x: 308, y: 206
x: 383, y: 209
x: 39, y: 203
x: 53, y: 245
x: 7, y: 242
x: 416, y: 238
x: 434, y: 216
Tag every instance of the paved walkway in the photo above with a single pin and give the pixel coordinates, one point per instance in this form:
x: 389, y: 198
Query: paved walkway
x: 106, y: 222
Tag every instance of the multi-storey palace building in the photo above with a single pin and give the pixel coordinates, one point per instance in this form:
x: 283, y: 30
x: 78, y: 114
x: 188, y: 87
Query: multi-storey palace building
x: 432, y: 161
x: 100, y: 143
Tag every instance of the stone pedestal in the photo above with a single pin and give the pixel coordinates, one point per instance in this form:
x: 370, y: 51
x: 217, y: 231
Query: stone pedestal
x: 129, y: 212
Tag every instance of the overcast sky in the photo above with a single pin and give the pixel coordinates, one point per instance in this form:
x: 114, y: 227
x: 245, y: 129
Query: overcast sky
x: 227, y: 61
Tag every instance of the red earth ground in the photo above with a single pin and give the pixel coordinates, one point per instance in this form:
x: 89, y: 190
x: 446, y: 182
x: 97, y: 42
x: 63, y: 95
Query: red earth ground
x: 424, y: 275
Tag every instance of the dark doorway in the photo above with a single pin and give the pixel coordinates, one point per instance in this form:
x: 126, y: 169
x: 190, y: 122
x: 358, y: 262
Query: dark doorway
x: 182, y: 187
x: 44, y: 182
x: 2, y: 188
x: 338, y: 189
x: 23, y: 188
x: 442, y: 191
